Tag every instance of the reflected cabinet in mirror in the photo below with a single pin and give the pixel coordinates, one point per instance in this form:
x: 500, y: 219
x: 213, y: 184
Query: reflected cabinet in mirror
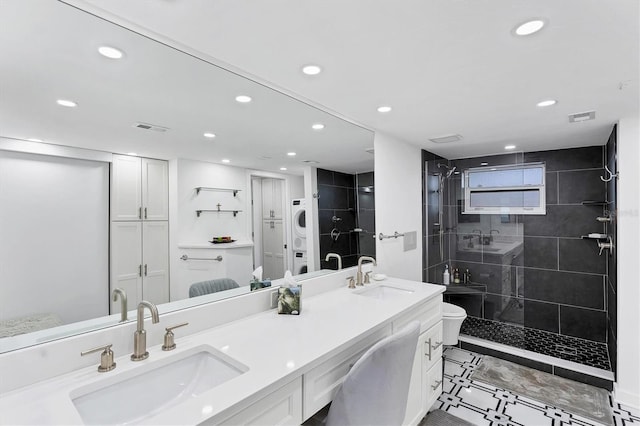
x: 146, y: 173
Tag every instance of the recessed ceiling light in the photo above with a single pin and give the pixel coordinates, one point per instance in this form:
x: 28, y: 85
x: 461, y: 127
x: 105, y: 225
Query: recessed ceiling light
x: 291, y: 154
x: 110, y: 52
x: 311, y: 69
x: 283, y: 168
x: 225, y: 160
x: 66, y: 103
x: 384, y: 108
x: 509, y: 147
x: 529, y: 27
x: 484, y: 163
x: 547, y: 103
x: 135, y: 154
x: 34, y: 140
x: 209, y: 135
x: 317, y: 126
x: 243, y: 99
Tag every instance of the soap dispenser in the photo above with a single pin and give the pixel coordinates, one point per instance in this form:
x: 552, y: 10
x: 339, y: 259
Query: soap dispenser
x: 446, y: 276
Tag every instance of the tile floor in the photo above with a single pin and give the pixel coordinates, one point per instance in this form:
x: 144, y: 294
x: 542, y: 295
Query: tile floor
x: 569, y: 348
x: 483, y: 404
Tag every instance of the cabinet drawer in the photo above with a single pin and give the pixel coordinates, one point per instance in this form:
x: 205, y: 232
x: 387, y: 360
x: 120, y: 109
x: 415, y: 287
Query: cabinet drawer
x: 428, y: 314
x: 321, y: 383
x: 433, y: 384
x: 281, y: 407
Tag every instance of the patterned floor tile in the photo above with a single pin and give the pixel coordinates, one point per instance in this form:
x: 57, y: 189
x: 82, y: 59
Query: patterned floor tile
x: 483, y: 404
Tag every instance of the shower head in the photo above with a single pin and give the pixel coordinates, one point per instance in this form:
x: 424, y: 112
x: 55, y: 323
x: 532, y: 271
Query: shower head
x: 450, y: 170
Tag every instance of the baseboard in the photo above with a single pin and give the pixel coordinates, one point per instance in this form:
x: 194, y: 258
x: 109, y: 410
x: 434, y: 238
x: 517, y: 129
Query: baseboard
x: 629, y: 399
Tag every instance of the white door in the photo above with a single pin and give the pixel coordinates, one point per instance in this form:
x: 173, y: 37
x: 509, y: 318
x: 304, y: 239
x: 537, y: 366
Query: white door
x: 126, y: 262
x: 278, y: 198
x: 126, y: 187
x: 155, y: 261
x: 155, y: 184
x: 273, y: 249
x: 267, y: 199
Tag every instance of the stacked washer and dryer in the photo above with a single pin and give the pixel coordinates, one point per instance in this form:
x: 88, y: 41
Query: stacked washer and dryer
x: 299, y: 234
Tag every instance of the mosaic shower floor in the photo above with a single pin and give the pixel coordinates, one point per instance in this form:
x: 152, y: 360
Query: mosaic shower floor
x: 573, y: 349
x: 483, y: 404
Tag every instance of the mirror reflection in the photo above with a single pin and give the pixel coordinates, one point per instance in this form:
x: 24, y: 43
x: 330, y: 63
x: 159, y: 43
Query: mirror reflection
x: 153, y: 178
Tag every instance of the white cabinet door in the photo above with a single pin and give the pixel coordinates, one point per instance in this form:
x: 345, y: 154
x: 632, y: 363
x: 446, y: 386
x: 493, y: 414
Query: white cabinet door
x: 281, y: 407
x: 126, y: 262
x: 417, y: 399
x: 273, y: 249
x: 126, y: 188
x: 155, y: 194
x: 272, y: 199
x: 155, y: 260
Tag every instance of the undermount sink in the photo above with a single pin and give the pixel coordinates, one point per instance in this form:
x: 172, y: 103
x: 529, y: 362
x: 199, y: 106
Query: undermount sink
x: 384, y: 292
x: 135, y: 395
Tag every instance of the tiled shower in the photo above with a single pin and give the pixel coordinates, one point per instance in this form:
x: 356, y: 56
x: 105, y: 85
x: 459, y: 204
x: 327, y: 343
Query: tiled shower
x: 551, y: 292
x: 346, y: 214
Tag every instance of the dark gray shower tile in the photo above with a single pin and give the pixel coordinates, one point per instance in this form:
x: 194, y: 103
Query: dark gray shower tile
x: 482, y: 273
x: 583, y: 323
x: 563, y: 221
x: 504, y: 309
x: 569, y: 288
x: 581, y: 256
x: 367, y: 220
x: 491, y: 160
x: 325, y: 223
x: 333, y: 197
x: 367, y: 245
x: 344, y: 179
x: 349, y: 261
x: 541, y: 315
x: 540, y: 252
x: 473, y: 304
x: 433, y: 249
x: 551, y: 188
x: 461, y: 250
x: 567, y: 159
x: 580, y: 185
x: 325, y: 177
x: 351, y: 199
x: 329, y: 245
x: 365, y: 179
x: 366, y: 199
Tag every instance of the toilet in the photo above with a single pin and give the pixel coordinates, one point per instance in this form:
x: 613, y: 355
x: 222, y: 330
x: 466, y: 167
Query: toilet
x: 452, y: 318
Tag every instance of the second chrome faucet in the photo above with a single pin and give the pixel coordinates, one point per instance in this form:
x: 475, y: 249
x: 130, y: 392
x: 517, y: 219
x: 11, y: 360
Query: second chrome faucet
x: 140, y: 335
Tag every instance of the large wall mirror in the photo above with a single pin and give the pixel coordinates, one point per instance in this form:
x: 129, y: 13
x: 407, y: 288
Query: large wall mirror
x: 67, y: 174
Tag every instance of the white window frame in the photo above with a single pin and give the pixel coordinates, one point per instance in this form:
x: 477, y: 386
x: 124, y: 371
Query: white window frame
x: 540, y: 209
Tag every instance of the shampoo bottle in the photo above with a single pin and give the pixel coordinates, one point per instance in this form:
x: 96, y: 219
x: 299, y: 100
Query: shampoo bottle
x: 445, y: 276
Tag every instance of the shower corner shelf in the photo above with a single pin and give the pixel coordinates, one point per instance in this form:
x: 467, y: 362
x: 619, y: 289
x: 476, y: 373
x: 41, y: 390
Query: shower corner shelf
x: 595, y: 236
x: 207, y: 188
x: 235, y: 212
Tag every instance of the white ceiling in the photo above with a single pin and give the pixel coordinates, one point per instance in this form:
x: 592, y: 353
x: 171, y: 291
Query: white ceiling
x: 445, y: 66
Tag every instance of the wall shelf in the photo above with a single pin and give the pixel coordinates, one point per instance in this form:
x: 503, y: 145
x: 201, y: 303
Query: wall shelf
x: 595, y: 236
x: 595, y: 203
x: 235, y: 212
x: 207, y: 188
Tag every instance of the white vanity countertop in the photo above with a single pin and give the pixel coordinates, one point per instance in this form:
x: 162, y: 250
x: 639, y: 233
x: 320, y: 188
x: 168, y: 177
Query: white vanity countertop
x: 275, y: 348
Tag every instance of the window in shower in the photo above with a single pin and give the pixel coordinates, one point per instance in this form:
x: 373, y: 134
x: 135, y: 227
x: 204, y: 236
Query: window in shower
x: 513, y: 189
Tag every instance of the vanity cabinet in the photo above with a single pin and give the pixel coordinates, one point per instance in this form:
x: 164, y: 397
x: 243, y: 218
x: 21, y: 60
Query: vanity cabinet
x: 280, y: 407
x: 140, y: 261
x: 426, y: 376
x: 139, y: 189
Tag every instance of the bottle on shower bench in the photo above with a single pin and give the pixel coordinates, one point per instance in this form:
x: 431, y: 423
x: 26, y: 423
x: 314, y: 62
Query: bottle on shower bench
x: 445, y: 275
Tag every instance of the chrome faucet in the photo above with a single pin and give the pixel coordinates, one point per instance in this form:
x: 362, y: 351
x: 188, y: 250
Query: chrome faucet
x: 335, y: 256
x: 123, y: 302
x: 140, y: 336
x: 359, y: 280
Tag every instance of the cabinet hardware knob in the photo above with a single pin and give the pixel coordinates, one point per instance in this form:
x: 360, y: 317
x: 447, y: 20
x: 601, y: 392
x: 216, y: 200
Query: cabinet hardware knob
x: 438, y: 344
x: 145, y: 212
x: 139, y: 212
x: 145, y: 269
x: 438, y: 383
x: 140, y: 270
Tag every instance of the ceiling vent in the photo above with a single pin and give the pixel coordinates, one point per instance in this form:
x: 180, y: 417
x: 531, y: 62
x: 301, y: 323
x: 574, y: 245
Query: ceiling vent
x: 147, y: 126
x: 582, y: 116
x: 446, y: 139
x: 310, y: 161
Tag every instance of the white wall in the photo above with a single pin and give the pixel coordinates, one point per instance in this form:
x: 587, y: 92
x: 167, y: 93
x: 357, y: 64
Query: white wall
x: 398, y: 186
x: 54, y: 228
x: 627, y: 388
